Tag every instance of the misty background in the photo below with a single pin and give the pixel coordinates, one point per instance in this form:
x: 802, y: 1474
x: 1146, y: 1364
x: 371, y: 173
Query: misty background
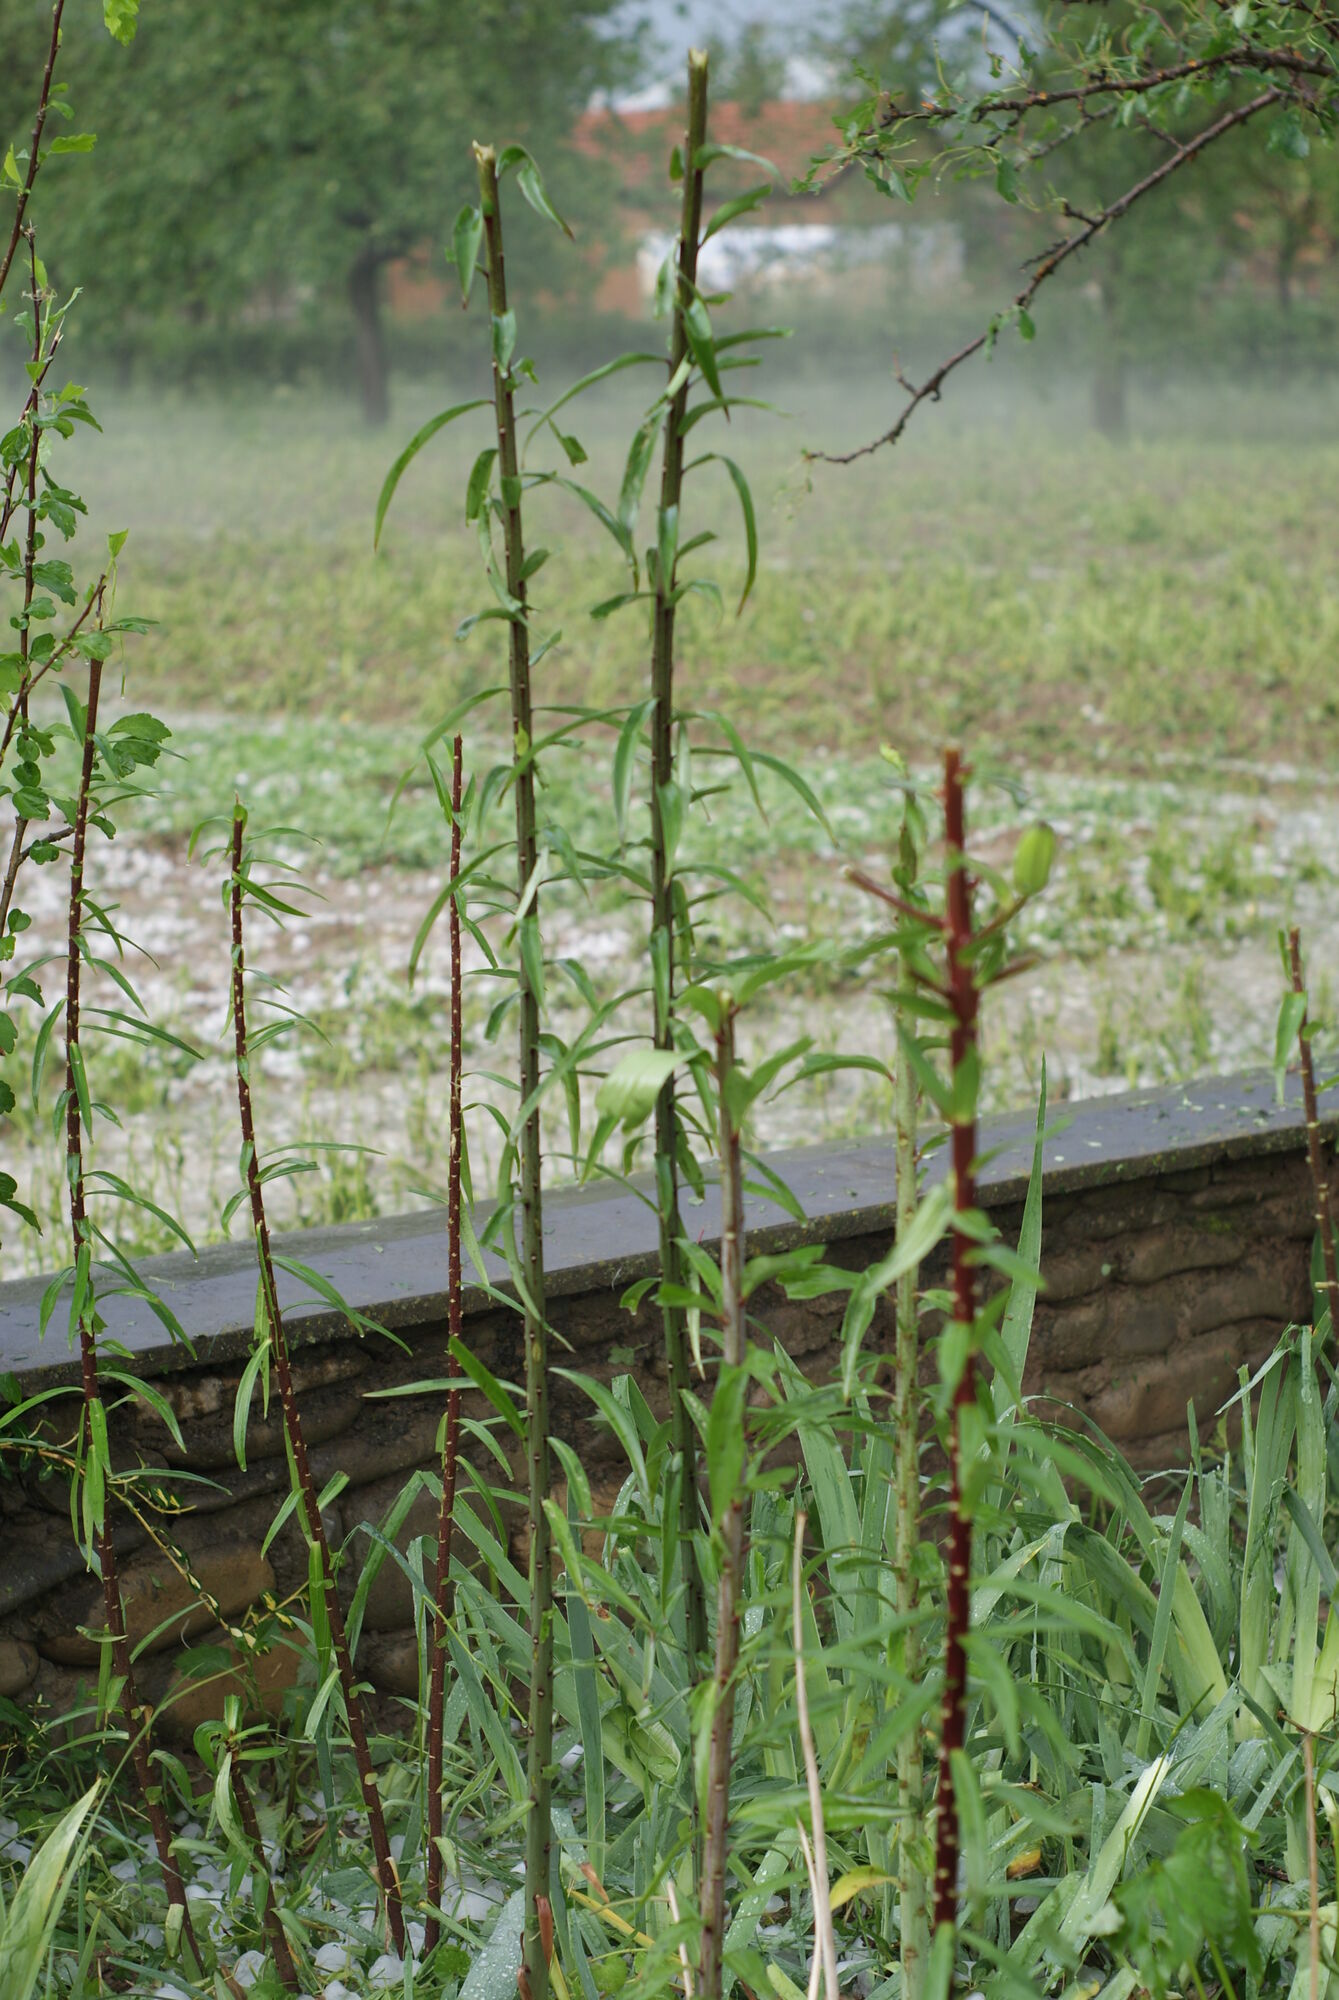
x: 276, y: 187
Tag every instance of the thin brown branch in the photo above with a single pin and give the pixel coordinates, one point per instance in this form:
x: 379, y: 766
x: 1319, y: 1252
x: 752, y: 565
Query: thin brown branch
x: 274, y: 1929
x: 16, y: 855
x: 1107, y: 83
x: 444, y: 1595
x: 137, y: 1718
x: 303, y: 1475
x: 1053, y: 260
x: 34, y: 144
x: 60, y: 654
x: 894, y: 902
x: 1320, y: 1176
x: 825, y: 1940
x: 34, y: 451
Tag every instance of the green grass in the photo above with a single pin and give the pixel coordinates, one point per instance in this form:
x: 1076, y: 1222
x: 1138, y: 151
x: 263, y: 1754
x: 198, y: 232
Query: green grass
x: 1003, y: 577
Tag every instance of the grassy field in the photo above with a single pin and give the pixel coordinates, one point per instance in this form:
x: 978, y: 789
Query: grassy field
x: 1143, y: 636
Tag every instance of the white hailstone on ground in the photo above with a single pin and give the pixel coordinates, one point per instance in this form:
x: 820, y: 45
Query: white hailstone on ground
x: 571, y: 1758
x: 124, y: 1871
x: 388, y: 1970
x: 337, y: 1990
x: 416, y: 1934
x: 150, y: 1934
x: 248, y: 1969
x: 473, y: 1903
x: 332, y: 1957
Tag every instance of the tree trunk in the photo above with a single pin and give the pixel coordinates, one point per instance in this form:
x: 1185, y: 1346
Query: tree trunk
x: 369, y: 335
x: 1109, y: 409
x: 1284, y: 271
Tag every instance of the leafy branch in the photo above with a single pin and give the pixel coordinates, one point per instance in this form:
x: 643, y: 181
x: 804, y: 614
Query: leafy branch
x: 1052, y: 261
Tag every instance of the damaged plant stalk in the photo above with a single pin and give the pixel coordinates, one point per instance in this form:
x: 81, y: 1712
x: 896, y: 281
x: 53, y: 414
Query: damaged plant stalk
x: 731, y: 1523
x: 539, y: 1830
x: 662, y: 884
x: 444, y: 1596
x: 97, y: 1462
x: 309, y: 1498
x: 912, y: 1927
x: 963, y: 1003
x: 1315, y: 1145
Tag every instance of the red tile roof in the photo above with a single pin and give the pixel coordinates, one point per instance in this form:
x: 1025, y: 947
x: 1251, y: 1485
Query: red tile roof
x: 787, y: 134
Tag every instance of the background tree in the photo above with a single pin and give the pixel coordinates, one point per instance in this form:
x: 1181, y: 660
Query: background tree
x: 256, y: 151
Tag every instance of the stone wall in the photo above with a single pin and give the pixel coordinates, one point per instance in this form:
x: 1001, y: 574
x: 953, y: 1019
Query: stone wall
x: 1177, y: 1228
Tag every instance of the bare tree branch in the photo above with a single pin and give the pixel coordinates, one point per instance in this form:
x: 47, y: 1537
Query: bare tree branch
x: 1051, y: 261
x: 1247, y: 56
x: 34, y: 143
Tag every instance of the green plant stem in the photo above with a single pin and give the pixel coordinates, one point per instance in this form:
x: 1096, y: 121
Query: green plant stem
x: 274, y: 1929
x: 963, y: 999
x: 292, y: 1415
x: 715, y: 1850
x: 1320, y: 1179
x: 444, y: 1594
x: 539, y: 1827
x: 913, y: 1928
x: 138, y: 1719
x: 1312, y: 1864
x: 662, y: 885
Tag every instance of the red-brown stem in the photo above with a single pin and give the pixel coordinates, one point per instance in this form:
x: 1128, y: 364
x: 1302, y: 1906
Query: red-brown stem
x: 137, y: 1718
x: 48, y: 666
x: 29, y: 560
x: 274, y: 1929
x: 963, y: 999
x: 35, y: 143
x: 715, y: 1855
x: 1320, y: 1179
x: 444, y: 1593
x: 672, y: 1268
x: 311, y: 1506
x: 34, y: 451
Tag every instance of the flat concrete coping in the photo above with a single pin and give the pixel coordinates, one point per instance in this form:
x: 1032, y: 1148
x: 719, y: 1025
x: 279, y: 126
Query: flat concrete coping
x: 603, y: 1237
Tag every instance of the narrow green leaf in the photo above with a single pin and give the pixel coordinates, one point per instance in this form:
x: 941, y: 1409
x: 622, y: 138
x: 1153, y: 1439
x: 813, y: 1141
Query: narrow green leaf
x: 531, y: 183
x: 411, y: 451
x: 466, y: 238
x: 1291, y: 1016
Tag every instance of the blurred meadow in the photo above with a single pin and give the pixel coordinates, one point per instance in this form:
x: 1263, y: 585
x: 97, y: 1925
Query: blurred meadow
x: 1138, y: 634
